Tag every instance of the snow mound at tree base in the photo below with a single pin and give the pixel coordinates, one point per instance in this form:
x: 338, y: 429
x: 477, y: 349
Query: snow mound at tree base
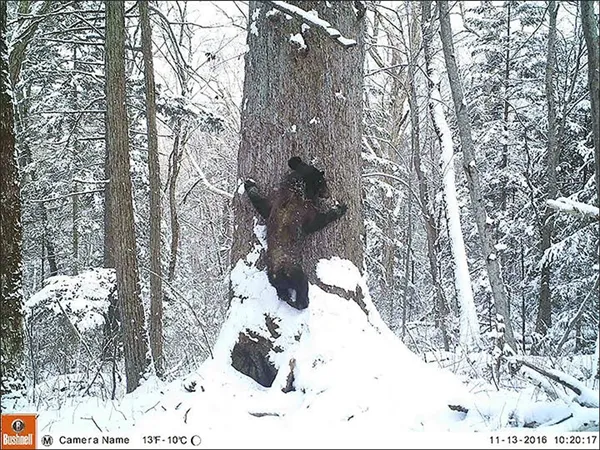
x: 343, y: 366
x: 354, y: 383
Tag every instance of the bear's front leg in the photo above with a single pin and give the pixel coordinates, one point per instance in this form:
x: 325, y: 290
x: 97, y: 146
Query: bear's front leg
x: 260, y: 203
x: 321, y: 219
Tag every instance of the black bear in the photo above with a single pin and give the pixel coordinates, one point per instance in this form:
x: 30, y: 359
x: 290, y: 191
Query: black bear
x: 291, y: 213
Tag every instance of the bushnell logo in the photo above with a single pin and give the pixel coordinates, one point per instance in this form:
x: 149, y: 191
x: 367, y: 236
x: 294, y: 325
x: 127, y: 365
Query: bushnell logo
x: 18, y: 426
x: 18, y: 431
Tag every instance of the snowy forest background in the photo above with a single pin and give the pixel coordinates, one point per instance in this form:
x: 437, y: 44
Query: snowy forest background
x: 530, y: 298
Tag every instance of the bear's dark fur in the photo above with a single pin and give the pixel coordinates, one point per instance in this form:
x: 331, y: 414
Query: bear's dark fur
x: 291, y: 213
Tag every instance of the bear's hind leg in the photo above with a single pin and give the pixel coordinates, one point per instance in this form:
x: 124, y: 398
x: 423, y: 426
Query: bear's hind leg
x: 280, y: 282
x: 293, y: 280
x: 300, y: 285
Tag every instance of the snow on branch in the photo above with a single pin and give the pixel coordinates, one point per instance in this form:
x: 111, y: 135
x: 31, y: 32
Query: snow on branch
x: 70, y: 194
x: 573, y: 207
x: 207, y: 183
x: 312, y: 18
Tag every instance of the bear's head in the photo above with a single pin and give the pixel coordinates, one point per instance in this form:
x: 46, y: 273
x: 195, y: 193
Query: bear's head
x: 313, y: 179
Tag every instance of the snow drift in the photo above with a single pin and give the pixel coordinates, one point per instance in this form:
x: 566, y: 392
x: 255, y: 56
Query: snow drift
x: 342, y: 379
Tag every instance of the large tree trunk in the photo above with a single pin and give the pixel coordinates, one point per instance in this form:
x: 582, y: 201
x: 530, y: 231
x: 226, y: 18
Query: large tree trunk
x: 544, y: 316
x: 11, y: 301
x: 304, y: 101
x: 122, y: 241
x: 156, y: 306
x: 474, y: 183
x: 590, y: 32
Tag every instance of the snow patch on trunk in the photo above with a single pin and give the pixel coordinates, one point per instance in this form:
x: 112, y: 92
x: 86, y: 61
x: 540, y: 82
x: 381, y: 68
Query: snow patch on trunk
x: 469, y: 324
x: 299, y: 40
x: 338, y: 272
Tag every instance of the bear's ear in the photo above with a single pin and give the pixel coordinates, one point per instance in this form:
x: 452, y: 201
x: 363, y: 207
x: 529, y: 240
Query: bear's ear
x: 295, y: 162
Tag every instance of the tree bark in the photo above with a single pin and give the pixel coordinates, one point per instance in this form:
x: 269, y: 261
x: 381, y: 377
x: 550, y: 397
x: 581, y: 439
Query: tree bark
x: 390, y: 150
x: 17, y: 58
x: 108, y: 259
x: 474, y: 183
x: 431, y: 227
x: 174, y: 167
x: 123, y: 248
x: 74, y: 232
x: 304, y: 101
x: 156, y: 306
x: 113, y: 315
x: 469, y: 326
x: 544, y: 316
x: 504, y: 160
x: 18, y: 53
x: 11, y: 300
x: 590, y: 33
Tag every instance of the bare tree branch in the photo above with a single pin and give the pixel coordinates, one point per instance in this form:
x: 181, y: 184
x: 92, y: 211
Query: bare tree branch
x: 205, y: 181
x: 70, y: 194
x: 577, y: 316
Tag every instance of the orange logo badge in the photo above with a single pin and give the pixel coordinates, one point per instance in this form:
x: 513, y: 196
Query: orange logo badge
x: 18, y: 431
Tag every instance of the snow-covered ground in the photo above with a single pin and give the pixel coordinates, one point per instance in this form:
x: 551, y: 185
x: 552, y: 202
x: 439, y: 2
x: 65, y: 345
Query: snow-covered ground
x: 356, y: 386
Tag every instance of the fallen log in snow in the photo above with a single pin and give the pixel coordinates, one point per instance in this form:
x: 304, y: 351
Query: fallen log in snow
x: 584, y: 396
x: 573, y: 207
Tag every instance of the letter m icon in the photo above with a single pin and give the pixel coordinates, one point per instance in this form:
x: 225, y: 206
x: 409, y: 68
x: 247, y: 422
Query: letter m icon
x: 47, y: 440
